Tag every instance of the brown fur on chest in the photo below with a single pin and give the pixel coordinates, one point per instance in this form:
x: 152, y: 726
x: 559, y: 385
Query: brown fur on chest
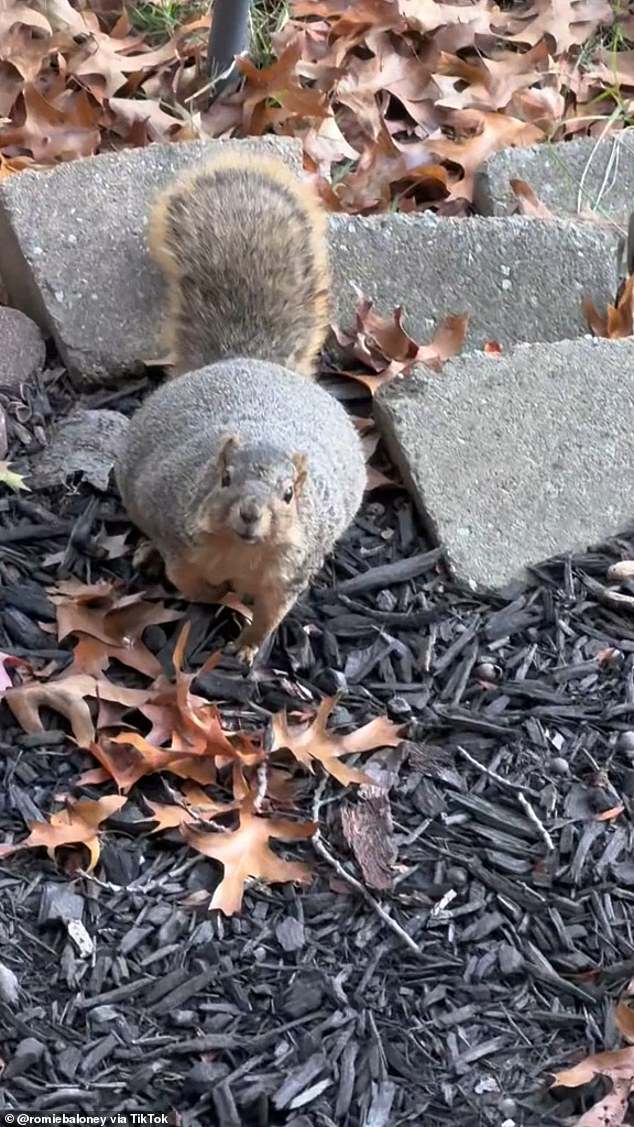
x: 247, y: 568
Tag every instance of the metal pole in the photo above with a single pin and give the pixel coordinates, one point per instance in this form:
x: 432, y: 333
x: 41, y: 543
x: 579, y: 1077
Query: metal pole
x: 228, y: 37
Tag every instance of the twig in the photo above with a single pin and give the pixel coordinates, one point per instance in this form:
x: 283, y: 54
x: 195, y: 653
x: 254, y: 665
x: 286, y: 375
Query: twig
x: 548, y: 841
x: 319, y: 845
x: 494, y: 775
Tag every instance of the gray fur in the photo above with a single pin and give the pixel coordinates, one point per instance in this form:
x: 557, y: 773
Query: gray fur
x: 248, y: 279
x: 175, y: 438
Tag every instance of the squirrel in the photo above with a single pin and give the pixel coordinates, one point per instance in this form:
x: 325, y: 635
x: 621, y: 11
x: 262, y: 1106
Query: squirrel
x: 241, y: 470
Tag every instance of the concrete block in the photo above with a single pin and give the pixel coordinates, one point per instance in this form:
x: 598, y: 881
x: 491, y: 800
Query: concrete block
x: 519, y: 279
x: 73, y: 250
x: 571, y: 178
x: 22, y: 348
x: 514, y: 459
x: 73, y: 255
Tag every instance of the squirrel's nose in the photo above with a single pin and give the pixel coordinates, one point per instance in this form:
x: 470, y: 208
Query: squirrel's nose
x: 249, y: 512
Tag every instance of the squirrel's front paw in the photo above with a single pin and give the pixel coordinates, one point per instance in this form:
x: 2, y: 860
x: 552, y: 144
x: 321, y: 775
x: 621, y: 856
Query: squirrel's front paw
x: 245, y: 648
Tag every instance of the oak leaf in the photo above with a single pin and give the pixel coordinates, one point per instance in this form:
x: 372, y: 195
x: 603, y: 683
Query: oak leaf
x: 311, y: 742
x: 77, y: 824
x: 484, y: 133
x: 68, y: 697
x: 618, y: 321
x: 245, y: 853
x: 617, y: 1066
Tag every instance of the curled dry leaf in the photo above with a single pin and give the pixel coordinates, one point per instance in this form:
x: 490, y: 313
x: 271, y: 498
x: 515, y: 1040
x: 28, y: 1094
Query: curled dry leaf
x: 77, y: 824
x: 385, y: 346
x: 129, y: 757
x: 624, y: 1021
x: 67, y: 696
x: 618, y: 321
x: 617, y: 1066
x: 10, y: 661
x: 312, y: 742
x: 483, y: 134
x: 109, y: 626
x: 245, y: 853
x: 528, y: 202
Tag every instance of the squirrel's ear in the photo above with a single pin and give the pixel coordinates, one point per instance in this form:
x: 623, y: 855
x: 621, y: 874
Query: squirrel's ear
x: 227, y: 447
x: 300, y: 462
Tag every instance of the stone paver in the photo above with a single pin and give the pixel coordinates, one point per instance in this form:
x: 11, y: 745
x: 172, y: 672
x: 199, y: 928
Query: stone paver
x: 516, y: 458
x: 73, y: 251
x: 520, y: 280
x: 74, y: 257
x: 583, y: 177
x: 22, y: 348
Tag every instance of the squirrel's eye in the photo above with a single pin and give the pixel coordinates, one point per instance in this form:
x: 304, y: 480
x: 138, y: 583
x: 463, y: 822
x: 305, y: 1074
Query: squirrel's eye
x: 225, y: 479
x: 288, y: 496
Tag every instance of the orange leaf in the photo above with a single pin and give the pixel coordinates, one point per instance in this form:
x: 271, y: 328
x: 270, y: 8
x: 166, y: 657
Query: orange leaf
x: 128, y: 757
x: 528, y: 202
x: 618, y: 1065
x: 67, y: 697
x: 619, y: 319
x: 245, y: 853
x: 77, y: 824
x: 311, y: 741
x: 608, y: 815
x: 484, y: 133
x: 624, y: 1021
x: 197, y: 806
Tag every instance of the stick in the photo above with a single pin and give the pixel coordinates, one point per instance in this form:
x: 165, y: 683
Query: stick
x: 523, y: 801
x: 319, y: 845
x: 494, y: 775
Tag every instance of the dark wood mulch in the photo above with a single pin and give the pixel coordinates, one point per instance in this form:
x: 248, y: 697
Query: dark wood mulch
x: 308, y: 1008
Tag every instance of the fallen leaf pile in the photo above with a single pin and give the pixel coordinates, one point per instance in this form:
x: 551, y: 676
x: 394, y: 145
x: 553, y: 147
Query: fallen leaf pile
x: 167, y: 728
x: 396, y: 102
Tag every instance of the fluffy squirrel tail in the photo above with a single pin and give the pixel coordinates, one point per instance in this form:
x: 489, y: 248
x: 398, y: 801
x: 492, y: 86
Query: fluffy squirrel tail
x: 243, y: 247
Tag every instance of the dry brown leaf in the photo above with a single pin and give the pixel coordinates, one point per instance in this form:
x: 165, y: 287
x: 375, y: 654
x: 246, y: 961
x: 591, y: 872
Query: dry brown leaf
x: 385, y: 346
x: 278, y: 82
x: 624, y: 1021
x: 56, y: 129
x: 488, y: 83
x: 382, y: 164
x: 109, y: 626
x: 67, y: 696
x: 528, y: 202
x: 245, y: 853
x: 312, y: 742
x: 611, y: 814
x: 196, y: 806
x: 618, y: 1066
x: 129, y: 757
x: 568, y: 22
x: 619, y: 319
x: 13, y: 662
x: 483, y: 134
x: 77, y: 824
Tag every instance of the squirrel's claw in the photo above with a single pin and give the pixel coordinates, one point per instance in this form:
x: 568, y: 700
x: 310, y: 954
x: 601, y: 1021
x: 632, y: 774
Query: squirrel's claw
x: 244, y: 650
